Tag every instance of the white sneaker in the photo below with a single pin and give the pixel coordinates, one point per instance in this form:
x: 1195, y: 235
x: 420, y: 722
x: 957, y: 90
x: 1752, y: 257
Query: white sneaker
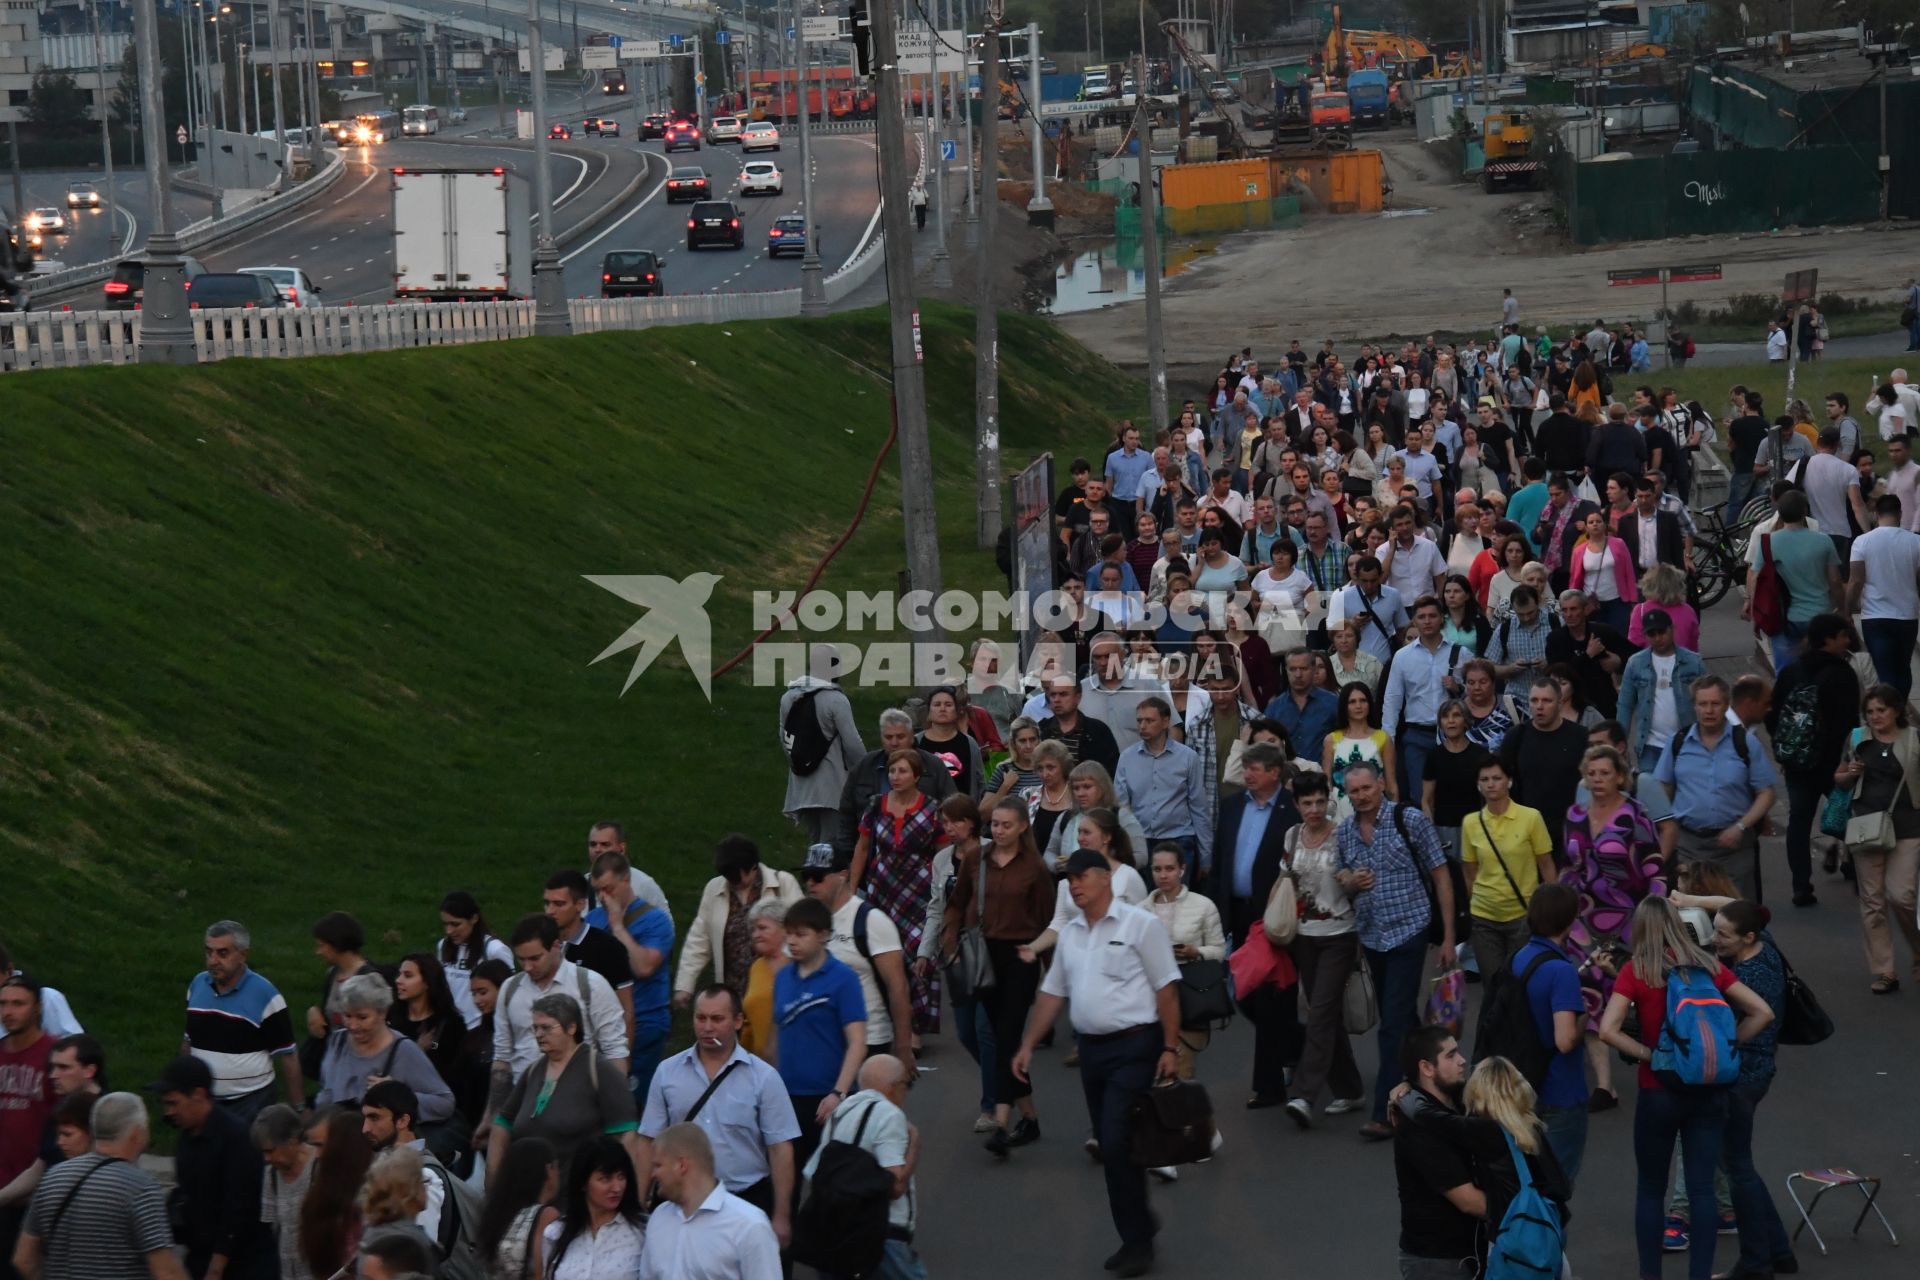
x: 1341, y: 1106
x: 1218, y: 1141
x: 1092, y: 1146
x: 985, y: 1124
x: 1301, y: 1111
x: 1166, y: 1173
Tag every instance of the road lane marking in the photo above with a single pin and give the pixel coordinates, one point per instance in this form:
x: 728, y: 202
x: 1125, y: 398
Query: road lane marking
x: 611, y: 227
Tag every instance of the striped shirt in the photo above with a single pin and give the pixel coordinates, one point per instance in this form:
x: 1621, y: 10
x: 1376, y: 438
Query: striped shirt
x: 112, y: 1223
x: 238, y: 1033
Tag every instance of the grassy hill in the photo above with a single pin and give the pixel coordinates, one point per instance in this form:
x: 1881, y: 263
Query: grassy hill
x: 289, y: 636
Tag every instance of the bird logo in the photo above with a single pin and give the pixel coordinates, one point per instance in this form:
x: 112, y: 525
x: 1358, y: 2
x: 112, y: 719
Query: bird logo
x: 675, y: 610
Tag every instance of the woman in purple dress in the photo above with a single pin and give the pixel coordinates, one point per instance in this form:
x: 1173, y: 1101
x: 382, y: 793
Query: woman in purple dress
x: 893, y: 869
x: 1613, y: 860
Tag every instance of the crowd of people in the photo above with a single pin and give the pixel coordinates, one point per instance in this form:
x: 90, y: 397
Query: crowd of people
x: 1384, y: 671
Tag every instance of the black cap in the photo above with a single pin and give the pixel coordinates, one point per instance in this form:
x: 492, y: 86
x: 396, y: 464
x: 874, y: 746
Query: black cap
x: 824, y: 858
x: 1087, y: 860
x: 183, y: 1074
x: 1656, y: 620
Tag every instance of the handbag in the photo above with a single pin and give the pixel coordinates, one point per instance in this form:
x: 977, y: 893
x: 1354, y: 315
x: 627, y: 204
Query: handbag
x: 970, y: 971
x: 1359, y: 1007
x: 1171, y: 1124
x: 1206, y: 995
x: 1281, y: 920
x: 1838, y: 810
x: 1257, y: 964
x: 1871, y: 832
x: 1446, y: 1001
x: 1802, y: 1019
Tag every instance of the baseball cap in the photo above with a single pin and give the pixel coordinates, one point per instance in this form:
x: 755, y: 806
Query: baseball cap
x: 183, y: 1074
x: 824, y: 858
x: 1656, y: 620
x: 1087, y: 860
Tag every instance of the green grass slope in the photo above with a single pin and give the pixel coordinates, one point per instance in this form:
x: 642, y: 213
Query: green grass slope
x: 282, y: 637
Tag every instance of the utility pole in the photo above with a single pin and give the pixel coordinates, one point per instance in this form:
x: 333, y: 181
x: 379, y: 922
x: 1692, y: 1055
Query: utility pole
x: 936, y: 159
x: 550, y: 316
x: 986, y: 320
x: 813, y: 284
x: 909, y: 377
x: 13, y: 156
x: 1886, y: 168
x: 106, y: 123
x: 273, y: 57
x: 166, y: 333
x: 1039, y: 208
x: 1150, y: 239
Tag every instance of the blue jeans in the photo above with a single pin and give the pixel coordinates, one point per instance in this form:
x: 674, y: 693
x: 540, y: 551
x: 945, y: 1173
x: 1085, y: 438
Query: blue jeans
x: 1913, y: 341
x: 1785, y: 644
x: 1617, y: 614
x: 1114, y: 1074
x: 1762, y: 1237
x: 899, y: 1262
x: 974, y: 1025
x: 1650, y: 759
x: 1890, y: 643
x: 1739, y: 489
x: 1567, y: 1136
x: 648, y: 1044
x: 1412, y: 748
x: 1396, y: 984
x: 1660, y: 1117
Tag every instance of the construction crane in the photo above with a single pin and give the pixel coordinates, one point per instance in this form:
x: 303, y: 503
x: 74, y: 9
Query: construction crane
x: 1401, y: 56
x: 1218, y: 88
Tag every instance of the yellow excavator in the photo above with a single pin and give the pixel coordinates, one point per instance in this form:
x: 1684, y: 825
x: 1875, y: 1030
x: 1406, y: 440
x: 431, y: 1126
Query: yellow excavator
x: 1403, y: 57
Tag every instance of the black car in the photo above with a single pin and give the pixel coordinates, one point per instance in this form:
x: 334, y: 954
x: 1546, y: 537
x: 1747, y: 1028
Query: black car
x: 715, y: 222
x: 234, y: 289
x: 688, y: 182
x: 654, y: 126
x: 127, y: 284
x: 631, y: 273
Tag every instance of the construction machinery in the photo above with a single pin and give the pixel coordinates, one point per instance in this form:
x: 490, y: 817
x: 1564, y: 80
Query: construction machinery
x: 1639, y: 52
x: 1227, y: 100
x: 1402, y: 57
x: 1506, y: 139
x: 1369, y: 92
x: 1331, y: 114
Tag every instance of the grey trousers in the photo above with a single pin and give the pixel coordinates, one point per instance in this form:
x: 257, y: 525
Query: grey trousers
x: 1741, y: 863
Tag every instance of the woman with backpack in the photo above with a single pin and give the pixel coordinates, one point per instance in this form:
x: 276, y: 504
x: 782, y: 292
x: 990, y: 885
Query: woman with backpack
x: 467, y: 941
x: 568, y: 1096
x: 1668, y: 967
x: 1504, y: 1133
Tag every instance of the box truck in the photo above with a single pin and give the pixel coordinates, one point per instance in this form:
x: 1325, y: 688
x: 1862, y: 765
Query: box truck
x: 461, y: 235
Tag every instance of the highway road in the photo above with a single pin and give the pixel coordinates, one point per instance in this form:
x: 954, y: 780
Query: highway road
x: 89, y: 239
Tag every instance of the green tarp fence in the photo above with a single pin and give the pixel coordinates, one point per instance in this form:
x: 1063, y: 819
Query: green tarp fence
x: 1245, y: 216
x: 1717, y: 192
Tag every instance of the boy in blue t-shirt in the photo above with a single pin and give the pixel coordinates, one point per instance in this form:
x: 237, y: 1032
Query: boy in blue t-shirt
x: 1559, y: 1015
x: 819, y: 1023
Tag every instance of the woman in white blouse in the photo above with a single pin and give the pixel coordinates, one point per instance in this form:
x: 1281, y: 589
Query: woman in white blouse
x: 1513, y: 556
x: 1097, y: 829
x: 1193, y: 922
x: 600, y: 1231
x: 1325, y: 950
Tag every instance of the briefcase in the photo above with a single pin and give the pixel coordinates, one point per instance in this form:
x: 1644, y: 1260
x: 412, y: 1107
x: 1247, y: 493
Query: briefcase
x: 1172, y: 1124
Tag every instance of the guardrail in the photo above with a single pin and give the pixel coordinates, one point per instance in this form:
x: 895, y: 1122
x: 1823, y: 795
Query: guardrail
x: 591, y: 315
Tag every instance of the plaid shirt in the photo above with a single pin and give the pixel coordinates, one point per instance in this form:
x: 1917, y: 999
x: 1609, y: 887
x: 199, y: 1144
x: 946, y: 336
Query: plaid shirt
x: 1396, y: 908
x: 1328, y: 569
x: 1511, y: 642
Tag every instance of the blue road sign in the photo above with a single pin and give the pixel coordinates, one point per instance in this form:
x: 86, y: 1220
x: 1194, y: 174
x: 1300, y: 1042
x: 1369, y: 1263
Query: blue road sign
x: 613, y: 42
x: 790, y: 33
x: 722, y: 37
x: 948, y: 149
x: 674, y: 40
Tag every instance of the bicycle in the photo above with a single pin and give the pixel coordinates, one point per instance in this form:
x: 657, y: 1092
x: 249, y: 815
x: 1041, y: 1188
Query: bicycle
x: 1720, y: 552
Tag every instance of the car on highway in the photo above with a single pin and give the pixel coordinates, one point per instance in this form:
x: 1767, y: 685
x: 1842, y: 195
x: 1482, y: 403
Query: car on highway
x: 653, y: 126
x: 631, y: 273
x: 561, y: 132
x: 760, y: 136
x: 682, y: 133
x: 82, y: 195
x: 688, y: 182
x: 456, y: 115
x: 48, y: 219
x: 715, y: 222
x: 234, y: 289
x: 127, y: 285
x: 788, y: 234
x: 295, y: 285
x: 761, y: 177
x: 605, y: 126
x: 726, y: 129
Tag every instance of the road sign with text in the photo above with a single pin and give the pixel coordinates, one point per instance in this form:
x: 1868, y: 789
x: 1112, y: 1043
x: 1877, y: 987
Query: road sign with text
x: 638, y: 50
x: 818, y: 29
x: 597, y: 57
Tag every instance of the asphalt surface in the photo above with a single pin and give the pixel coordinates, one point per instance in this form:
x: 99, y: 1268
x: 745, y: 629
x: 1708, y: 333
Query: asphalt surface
x: 88, y: 237
x: 1277, y: 1201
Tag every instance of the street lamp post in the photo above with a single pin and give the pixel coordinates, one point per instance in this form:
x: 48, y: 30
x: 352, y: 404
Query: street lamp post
x: 103, y: 105
x: 813, y: 284
x: 550, y: 318
x: 166, y: 331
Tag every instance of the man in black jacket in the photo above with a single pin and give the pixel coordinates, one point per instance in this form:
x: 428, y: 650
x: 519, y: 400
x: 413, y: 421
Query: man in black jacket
x: 1652, y: 536
x: 1246, y: 865
x: 1616, y: 446
x: 1561, y: 440
x: 1835, y: 704
x: 1086, y: 737
x: 217, y: 1173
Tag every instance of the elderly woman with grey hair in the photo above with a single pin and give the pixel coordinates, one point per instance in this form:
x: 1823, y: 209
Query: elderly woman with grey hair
x: 366, y: 1051
x: 568, y: 1096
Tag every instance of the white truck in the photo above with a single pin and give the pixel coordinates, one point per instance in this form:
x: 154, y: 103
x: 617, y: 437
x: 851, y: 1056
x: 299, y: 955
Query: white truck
x: 461, y: 235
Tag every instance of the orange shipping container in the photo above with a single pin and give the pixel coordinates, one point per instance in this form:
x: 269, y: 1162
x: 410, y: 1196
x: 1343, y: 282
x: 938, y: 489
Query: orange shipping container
x: 1187, y: 186
x: 1330, y: 181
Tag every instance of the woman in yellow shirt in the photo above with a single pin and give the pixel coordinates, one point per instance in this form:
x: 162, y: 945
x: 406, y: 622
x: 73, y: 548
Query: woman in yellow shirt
x: 767, y: 923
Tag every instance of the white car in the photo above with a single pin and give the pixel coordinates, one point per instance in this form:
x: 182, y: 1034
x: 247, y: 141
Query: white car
x: 725, y: 129
x: 81, y: 195
x: 48, y: 219
x: 295, y: 285
x: 761, y: 177
x: 760, y: 136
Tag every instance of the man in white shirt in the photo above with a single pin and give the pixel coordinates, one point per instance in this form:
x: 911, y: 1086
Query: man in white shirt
x: 866, y: 941
x: 1413, y: 564
x: 1115, y: 963
x: 1230, y: 501
x: 702, y: 1231
x: 875, y: 1120
x: 1895, y: 417
x: 1903, y: 481
x: 1422, y: 467
x: 1909, y: 396
x: 1833, y: 488
x: 1381, y: 609
x: 540, y: 953
x: 1776, y: 343
x: 1884, y: 567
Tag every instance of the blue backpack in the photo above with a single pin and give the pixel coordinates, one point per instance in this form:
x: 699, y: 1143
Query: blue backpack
x: 1696, y: 1049
x: 1531, y: 1239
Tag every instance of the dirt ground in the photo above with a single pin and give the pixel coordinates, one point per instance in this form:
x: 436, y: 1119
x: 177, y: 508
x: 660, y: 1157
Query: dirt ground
x: 1439, y: 258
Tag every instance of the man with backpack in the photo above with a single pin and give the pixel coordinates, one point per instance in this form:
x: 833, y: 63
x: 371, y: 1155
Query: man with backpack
x: 822, y: 746
x: 873, y: 1123
x: 1814, y: 706
x: 1722, y: 786
x: 389, y: 1110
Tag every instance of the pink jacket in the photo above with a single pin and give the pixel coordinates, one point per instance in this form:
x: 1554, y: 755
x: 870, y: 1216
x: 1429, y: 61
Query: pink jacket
x: 1622, y: 569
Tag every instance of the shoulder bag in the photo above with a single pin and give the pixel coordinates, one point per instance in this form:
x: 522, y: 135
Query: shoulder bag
x: 1281, y: 920
x: 1500, y: 858
x: 1802, y: 1019
x: 1170, y: 1124
x: 1871, y: 832
x: 651, y: 1200
x: 1206, y: 995
x: 970, y: 972
x: 1360, y: 1009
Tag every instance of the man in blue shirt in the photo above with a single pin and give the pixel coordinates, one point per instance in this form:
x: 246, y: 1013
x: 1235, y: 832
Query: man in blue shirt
x: 647, y: 938
x: 1126, y: 465
x: 1159, y: 779
x: 1381, y: 610
x: 1306, y: 709
x: 1722, y: 786
x: 819, y: 1021
x: 1559, y: 1016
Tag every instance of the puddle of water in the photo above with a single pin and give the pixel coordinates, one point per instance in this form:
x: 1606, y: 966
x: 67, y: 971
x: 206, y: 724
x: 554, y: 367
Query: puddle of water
x: 1114, y: 273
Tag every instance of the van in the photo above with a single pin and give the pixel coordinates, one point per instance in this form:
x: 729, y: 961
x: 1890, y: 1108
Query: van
x: 421, y: 120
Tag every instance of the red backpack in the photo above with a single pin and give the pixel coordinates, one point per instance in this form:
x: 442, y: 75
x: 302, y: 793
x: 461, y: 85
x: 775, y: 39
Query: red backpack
x: 1768, y: 607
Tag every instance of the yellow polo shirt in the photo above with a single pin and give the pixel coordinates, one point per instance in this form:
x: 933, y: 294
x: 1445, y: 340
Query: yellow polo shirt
x: 1519, y: 838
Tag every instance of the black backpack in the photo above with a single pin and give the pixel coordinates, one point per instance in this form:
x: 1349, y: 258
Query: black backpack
x: 841, y: 1228
x: 806, y: 743
x: 1506, y: 1028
